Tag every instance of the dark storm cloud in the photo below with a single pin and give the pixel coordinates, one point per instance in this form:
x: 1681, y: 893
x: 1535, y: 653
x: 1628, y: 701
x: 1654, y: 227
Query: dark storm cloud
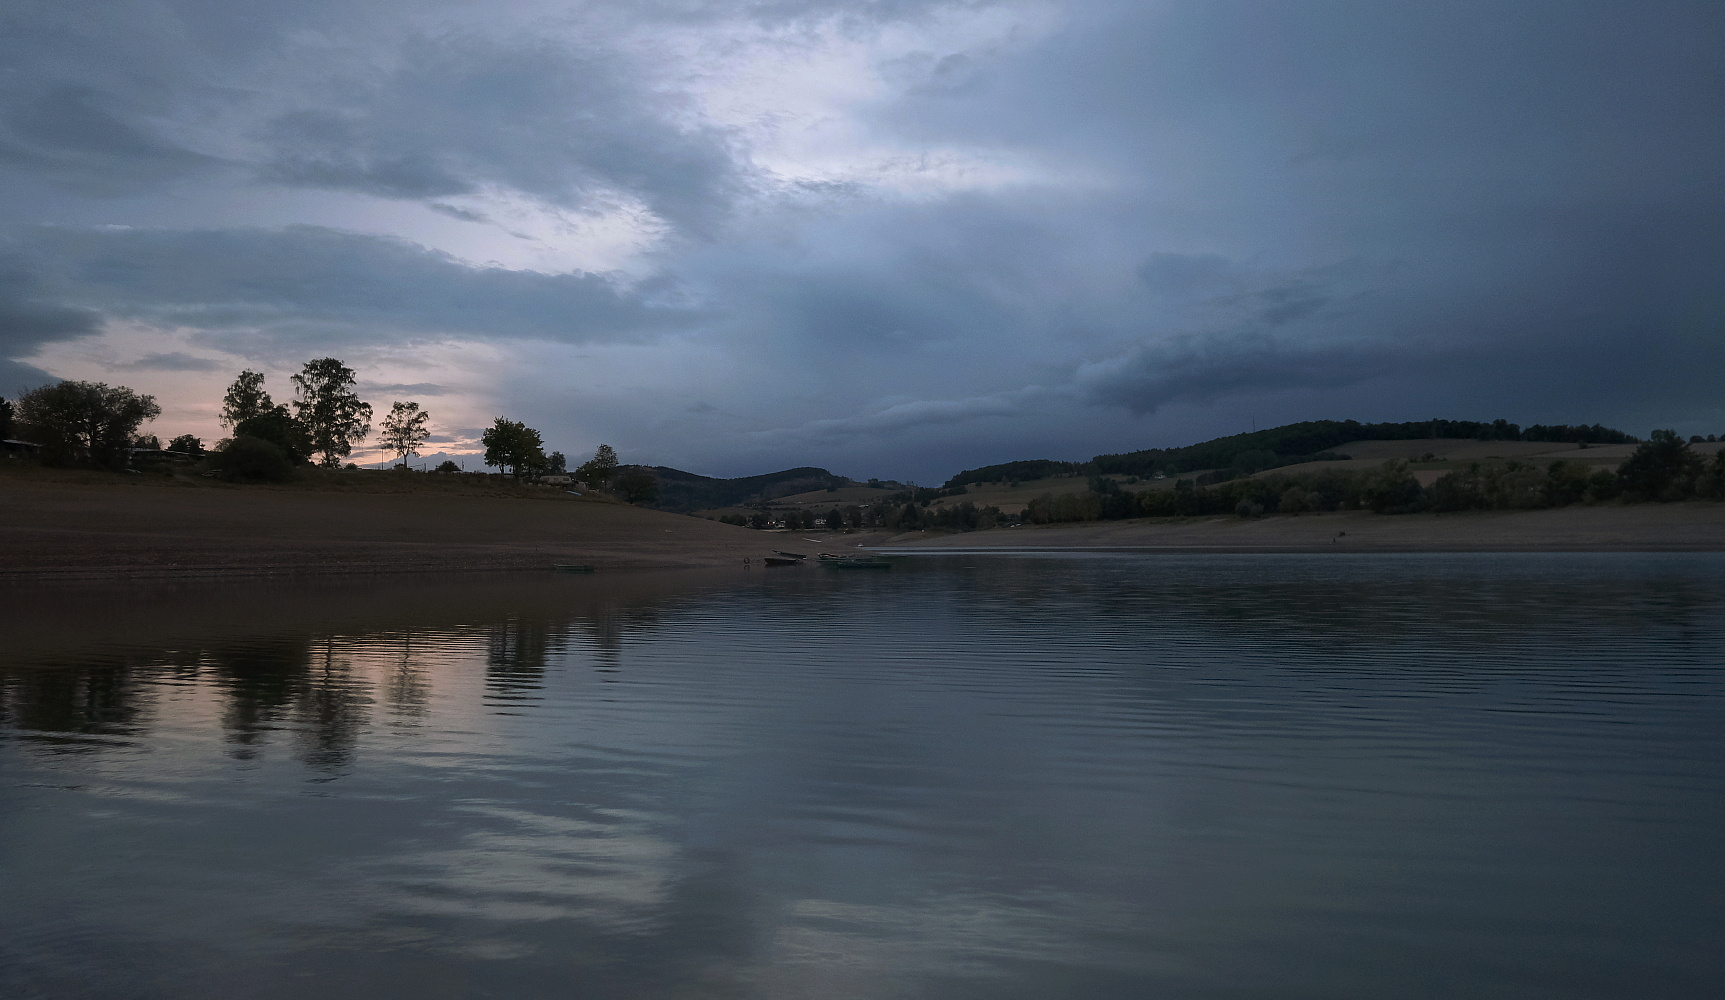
x: 1381, y: 211
x: 459, y: 111
x: 172, y: 361
x: 412, y: 389
x: 66, y: 132
x: 1202, y: 370
x: 28, y: 320
x: 308, y: 284
x: 407, y: 106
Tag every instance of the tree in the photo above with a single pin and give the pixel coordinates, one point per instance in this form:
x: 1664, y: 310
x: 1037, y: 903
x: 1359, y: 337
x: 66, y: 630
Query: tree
x: 334, y: 418
x: 556, y: 465
x: 246, y: 399
x: 85, y: 421
x: 513, y: 445
x: 447, y: 466
x: 1662, y: 469
x: 404, y: 429
x: 5, y: 418
x: 187, y: 443
x: 247, y: 458
x: 598, y: 470
x: 150, y: 441
x: 277, y: 426
x: 638, y: 485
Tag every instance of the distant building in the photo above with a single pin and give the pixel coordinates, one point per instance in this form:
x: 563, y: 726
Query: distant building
x: 557, y: 480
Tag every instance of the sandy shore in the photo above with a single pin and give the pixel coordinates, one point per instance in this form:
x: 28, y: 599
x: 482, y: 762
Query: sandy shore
x: 117, y: 529
x: 1698, y: 526
x: 102, y: 528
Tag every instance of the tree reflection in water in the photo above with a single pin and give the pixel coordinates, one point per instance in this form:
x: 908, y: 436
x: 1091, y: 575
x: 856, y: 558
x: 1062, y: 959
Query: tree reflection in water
x: 331, y: 711
x: 75, y: 708
x: 407, y: 687
x: 261, y: 681
x: 515, y: 654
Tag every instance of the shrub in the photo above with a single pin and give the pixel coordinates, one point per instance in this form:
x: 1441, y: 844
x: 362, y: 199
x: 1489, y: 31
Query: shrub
x: 253, y: 459
x: 277, y: 426
x: 1294, y: 501
x: 1662, y: 469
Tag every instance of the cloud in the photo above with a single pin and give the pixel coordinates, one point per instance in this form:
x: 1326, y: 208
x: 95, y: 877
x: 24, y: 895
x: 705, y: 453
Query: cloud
x: 68, y: 133
x: 305, y: 285
x: 460, y: 111
x: 26, y: 320
x: 1202, y: 370
x: 172, y: 361
x: 455, y: 212
x: 414, y: 389
x: 17, y: 377
x: 898, y: 418
x: 866, y: 227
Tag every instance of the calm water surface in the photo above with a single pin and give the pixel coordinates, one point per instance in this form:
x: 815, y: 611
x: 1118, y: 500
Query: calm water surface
x: 1102, y: 776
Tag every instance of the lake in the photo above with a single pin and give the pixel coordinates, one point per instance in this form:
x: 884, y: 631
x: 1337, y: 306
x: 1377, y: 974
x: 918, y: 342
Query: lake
x: 971, y: 776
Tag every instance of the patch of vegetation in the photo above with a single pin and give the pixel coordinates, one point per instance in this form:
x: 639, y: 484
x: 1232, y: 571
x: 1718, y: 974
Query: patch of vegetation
x: 248, y: 459
x: 1663, y: 469
x: 1292, y: 444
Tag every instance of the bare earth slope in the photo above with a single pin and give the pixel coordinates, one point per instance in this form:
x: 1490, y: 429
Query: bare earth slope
x: 1698, y: 526
x: 97, y: 530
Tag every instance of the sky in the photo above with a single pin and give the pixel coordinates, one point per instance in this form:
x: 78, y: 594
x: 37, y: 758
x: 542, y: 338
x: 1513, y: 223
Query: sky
x: 891, y: 238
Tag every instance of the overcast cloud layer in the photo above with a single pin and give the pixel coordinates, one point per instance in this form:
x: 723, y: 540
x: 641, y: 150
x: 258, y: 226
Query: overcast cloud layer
x: 894, y: 239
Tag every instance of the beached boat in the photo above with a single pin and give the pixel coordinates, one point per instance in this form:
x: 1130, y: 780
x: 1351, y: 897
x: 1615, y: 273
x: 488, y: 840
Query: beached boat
x: 572, y: 568
x: 781, y: 561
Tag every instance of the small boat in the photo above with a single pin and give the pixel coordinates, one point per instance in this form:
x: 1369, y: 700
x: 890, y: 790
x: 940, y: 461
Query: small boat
x: 791, y: 555
x: 781, y: 561
x: 572, y: 568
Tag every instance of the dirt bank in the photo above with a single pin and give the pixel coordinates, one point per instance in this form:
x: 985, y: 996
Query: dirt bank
x: 1696, y: 526
x: 103, y: 527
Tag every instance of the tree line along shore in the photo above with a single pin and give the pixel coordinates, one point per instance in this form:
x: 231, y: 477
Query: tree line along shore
x: 91, y: 425
x: 1241, y: 478
x: 1294, y: 469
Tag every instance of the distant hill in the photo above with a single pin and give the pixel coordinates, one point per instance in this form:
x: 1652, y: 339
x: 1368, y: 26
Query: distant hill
x: 1311, y: 440
x: 684, y: 491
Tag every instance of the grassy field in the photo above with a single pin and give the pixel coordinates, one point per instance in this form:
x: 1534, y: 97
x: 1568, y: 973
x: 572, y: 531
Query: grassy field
x: 1430, y: 459
x: 1427, y: 460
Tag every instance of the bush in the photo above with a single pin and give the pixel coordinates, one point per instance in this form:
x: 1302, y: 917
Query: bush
x: 252, y: 459
x: 637, y: 486
x: 187, y: 444
x: 1662, y: 469
x: 277, y: 426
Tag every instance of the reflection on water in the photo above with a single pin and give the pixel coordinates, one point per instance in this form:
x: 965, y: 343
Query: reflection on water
x: 971, y: 777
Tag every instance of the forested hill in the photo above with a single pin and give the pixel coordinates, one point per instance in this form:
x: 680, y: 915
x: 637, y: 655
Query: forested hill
x: 685, y: 491
x: 1311, y: 440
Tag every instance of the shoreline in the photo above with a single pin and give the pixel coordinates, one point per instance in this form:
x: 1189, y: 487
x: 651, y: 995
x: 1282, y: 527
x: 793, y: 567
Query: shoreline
x: 126, y: 530
x: 1693, y: 526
